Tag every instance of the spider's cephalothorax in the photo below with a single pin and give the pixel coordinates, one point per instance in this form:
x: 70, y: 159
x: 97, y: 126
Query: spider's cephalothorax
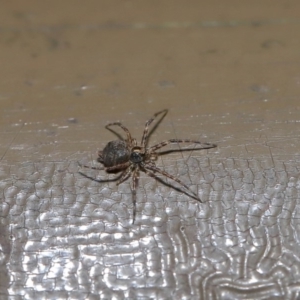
x: 129, y: 158
x: 137, y: 156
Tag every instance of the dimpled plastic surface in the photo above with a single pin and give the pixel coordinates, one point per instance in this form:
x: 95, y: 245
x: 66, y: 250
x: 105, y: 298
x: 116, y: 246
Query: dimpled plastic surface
x: 64, y: 236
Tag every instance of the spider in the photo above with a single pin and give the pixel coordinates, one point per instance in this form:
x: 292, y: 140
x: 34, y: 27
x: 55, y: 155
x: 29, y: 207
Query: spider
x: 129, y: 158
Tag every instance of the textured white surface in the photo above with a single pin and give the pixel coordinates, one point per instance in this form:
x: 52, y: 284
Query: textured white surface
x: 65, y: 236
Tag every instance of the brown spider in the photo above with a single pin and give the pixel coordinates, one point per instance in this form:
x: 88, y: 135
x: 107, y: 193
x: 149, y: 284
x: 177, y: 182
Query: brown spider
x: 128, y: 157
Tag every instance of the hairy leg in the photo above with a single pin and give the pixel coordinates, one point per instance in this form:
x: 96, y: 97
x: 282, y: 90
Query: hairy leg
x: 176, y: 141
x: 135, y: 182
x: 129, y: 137
x: 145, y: 134
x: 126, y: 173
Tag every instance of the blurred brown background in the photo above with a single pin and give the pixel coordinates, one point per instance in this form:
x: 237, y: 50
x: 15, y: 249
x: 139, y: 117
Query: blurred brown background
x: 229, y: 73
x: 226, y: 69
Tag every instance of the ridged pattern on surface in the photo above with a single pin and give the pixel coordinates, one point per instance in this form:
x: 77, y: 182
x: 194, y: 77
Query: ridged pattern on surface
x: 64, y: 236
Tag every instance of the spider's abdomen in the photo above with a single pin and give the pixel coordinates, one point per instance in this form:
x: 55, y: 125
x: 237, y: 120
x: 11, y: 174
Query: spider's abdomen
x: 115, y: 153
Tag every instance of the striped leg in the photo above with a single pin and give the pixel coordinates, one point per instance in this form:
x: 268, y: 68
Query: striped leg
x: 176, y: 141
x: 126, y: 173
x: 135, y: 182
x: 129, y: 137
x: 148, y: 123
x: 154, y: 169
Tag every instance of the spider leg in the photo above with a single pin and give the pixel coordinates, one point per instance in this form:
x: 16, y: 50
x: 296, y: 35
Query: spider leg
x: 129, y: 137
x: 134, y: 143
x: 153, y: 169
x: 135, y: 182
x: 145, y: 134
x: 176, y: 141
x: 126, y: 173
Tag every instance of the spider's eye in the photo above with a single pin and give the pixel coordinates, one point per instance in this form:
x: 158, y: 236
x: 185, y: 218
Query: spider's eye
x: 136, y: 157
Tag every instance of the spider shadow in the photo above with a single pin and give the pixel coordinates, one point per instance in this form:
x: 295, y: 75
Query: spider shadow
x: 159, y: 179
x: 100, y: 180
x: 184, y: 150
x: 176, y: 188
x: 170, y: 185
